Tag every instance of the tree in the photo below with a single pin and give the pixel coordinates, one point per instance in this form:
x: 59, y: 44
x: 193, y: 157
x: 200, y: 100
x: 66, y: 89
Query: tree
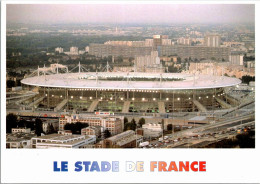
x: 38, y: 127
x: 245, y: 140
x: 21, y: 123
x: 75, y: 127
x: 162, y: 122
x: 130, y: 125
x: 50, y: 129
x: 120, y: 59
x: 133, y: 124
x: 10, y: 83
x: 107, y: 134
x: 169, y: 127
x: 125, y: 120
x: 131, y: 59
x: 246, y: 79
x: 11, y: 122
x: 141, y: 122
x: 178, y: 60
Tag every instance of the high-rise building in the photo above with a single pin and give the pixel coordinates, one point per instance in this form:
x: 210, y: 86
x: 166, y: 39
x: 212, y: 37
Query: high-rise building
x: 184, y: 41
x: 196, y: 52
x: 74, y: 50
x: 142, y: 63
x: 59, y: 50
x: 212, y: 40
x: 87, y: 49
x: 157, y: 41
x: 105, y: 50
x: 148, y: 42
x: 236, y: 59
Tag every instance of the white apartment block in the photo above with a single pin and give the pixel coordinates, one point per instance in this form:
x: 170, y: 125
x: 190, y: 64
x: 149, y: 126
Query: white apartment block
x: 19, y: 140
x: 23, y: 130
x: 59, y: 50
x: 62, y: 141
x: 236, y: 59
x: 212, y: 40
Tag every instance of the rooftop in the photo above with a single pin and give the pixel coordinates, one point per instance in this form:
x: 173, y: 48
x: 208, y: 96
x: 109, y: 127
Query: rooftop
x: 19, y: 136
x: 131, y: 81
x: 61, y: 139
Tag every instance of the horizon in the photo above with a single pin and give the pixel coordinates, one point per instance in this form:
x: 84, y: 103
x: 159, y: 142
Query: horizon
x: 128, y: 14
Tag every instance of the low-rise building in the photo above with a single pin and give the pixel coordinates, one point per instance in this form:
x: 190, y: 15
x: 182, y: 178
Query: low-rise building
x: 127, y: 139
x: 46, y: 125
x: 21, y: 129
x: 65, y: 132
x: 62, y: 141
x: 112, y: 123
x: 152, y: 130
x: 19, y: 140
x: 91, y: 130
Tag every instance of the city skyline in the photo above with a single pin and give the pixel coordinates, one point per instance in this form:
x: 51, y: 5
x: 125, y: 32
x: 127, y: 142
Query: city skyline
x: 132, y: 13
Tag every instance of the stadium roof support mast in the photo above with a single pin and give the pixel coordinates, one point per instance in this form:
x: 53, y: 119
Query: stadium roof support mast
x: 44, y: 73
x: 96, y: 77
x: 222, y: 73
x: 107, y: 67
x: 79, y: 67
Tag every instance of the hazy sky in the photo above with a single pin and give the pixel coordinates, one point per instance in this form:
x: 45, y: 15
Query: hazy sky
x: 126, y: 13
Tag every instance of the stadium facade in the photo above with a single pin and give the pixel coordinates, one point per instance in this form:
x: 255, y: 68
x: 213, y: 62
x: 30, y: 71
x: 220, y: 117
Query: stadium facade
x: 132, y: 92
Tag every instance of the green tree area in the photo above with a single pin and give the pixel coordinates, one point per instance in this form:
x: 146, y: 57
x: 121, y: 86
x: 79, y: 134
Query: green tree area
x: 130, y: 125
x: 246, y: 79
x: 141, y: 122
x: 125, y: 120
x: 13, y: 122
x: 33, y: 48
x: 37, y: 42
x: 12, y: 83
x: 107, y: 134
x: 75, y: 127
x: 50, y: 129
x: 244, y: 140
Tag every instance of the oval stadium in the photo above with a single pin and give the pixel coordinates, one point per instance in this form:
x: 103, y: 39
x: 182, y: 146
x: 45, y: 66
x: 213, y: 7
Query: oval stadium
x: 132, y: 92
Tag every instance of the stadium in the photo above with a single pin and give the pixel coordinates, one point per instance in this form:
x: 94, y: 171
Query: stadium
x: 133, y: 92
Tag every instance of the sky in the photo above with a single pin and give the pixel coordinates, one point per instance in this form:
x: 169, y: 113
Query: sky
x: 131, y: 13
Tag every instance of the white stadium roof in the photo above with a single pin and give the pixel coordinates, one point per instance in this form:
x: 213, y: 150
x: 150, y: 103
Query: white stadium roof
x: 128, y: 81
